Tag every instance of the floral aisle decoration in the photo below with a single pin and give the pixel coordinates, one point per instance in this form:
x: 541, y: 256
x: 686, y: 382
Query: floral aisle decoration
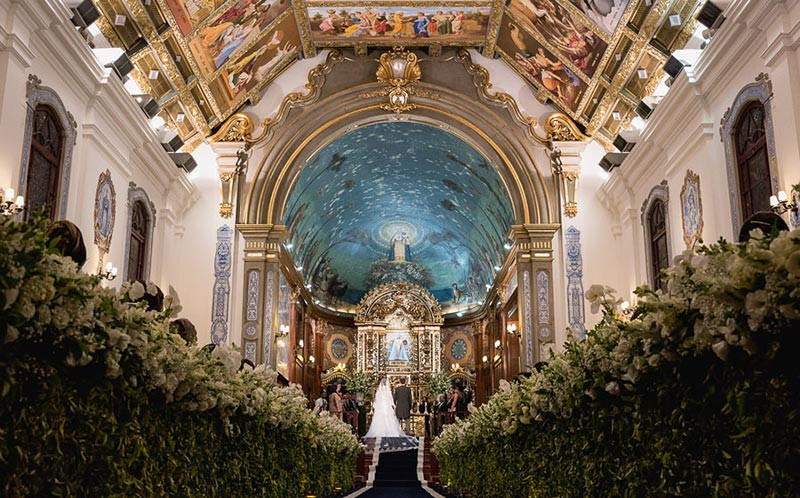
x: 695, y: 394
x: 361, y: 383
x: 99, y: 396
x: 437, y: 383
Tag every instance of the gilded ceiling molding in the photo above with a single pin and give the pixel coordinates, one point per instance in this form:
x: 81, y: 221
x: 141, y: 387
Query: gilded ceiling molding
x: 481, y: 80
x: 304, y: 27
x: 238, y: 128
x: 493, y: 31
x: 399, y: 70
x: 316, y: 79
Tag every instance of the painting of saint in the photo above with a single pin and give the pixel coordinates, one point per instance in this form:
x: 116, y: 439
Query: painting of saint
x: 570, y: 34
x: 400, y: 250
x: 233, y: 31
x: 537, y: 63
x: 256, y: 67
x: 190, y: 13
x: 397, y: 346
x: 605, y: 13
x: 333, y: 26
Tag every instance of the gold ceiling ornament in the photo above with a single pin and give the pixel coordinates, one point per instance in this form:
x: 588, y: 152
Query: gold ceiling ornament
x: 399, y: 70
x: 238, y: 128
x: 561, y: 128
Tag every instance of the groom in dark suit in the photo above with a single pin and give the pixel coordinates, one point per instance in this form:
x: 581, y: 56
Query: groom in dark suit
x: 402, y: 403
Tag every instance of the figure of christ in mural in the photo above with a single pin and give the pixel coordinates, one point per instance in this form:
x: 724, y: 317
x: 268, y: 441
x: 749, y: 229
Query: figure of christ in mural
x: 400, y: 250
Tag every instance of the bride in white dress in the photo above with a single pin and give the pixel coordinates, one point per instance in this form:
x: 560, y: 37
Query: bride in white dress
x: 385, y: 423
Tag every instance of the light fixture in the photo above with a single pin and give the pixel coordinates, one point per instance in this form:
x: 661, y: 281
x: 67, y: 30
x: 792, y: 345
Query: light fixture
x: 460, y: 314
x: 507, y: 246
x: 497, y: 267
x: 283, y: 330
x: 108, y: 273
x: 399, y: 70
x: 488, y: 286
x: 289, y: 246
x: 497, y: 344
x: 9, y: 205
x: 301, y: 343
x: 781, y: 204
x: 299, y: 268
x: 455, y: 367
x: 311, y: 358
x: 485, y: 359
x: 511, y: 328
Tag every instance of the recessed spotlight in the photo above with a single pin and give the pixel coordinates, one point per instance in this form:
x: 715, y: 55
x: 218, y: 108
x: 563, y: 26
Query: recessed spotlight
x: 497, y: 267
x: 153, y: 74
x: 299, y: 268
x: 289, y: 246
x: 616, y: 115
x: 119, y: 20
x: 460, y: 313
x: 642, y: 74
x: 488, y: 286
x: 506, y: 246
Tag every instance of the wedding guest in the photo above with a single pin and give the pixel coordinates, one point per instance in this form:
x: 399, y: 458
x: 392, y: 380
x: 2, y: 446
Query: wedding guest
x: 186, y: 329
x: 426, y: 409
x: 69, y: 240
x: 320, y: 404
x: 335, y: 404
x: 246, y: 363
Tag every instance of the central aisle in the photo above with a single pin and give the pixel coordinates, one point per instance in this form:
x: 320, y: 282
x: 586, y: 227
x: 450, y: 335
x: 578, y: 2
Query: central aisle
x: 397, y: 474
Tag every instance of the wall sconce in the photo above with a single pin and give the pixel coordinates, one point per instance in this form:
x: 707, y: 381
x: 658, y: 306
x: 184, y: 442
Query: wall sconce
x: 340, y: 367
x: 301, y: 343
x: 455, y: 367
x: 497, y: 344
x: 311, y: 358
x: 9, y: 206
x: 109, y: 273
x: 485, y: 359
x: 781, y: 204
x: 511, y: 328
x: 283, y: 331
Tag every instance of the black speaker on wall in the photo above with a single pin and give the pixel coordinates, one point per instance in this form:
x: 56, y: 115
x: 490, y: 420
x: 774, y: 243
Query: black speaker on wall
x: 643, y: 110
x: 673, y: 67
x: 84, y: 13
x: 710, y: 15
x: 612, y: 160
x: 183, y: 160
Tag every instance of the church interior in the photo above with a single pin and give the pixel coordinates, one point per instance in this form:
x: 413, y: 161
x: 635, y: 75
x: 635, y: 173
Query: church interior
x: 571, y: 228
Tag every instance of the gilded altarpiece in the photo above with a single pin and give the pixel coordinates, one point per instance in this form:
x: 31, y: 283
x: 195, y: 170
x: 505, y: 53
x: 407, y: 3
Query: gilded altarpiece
x: 399, y: 332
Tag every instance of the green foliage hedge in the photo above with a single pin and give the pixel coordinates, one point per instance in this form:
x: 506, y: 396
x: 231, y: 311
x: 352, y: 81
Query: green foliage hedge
x: 99, y: 399
x: 697, y: 394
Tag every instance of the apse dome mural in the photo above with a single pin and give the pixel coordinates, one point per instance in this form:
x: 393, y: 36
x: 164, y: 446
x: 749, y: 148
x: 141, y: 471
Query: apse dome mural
x: 394, y: 202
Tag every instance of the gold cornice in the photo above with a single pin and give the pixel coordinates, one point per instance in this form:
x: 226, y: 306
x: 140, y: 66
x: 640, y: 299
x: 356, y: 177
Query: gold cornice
x: 493, y: 30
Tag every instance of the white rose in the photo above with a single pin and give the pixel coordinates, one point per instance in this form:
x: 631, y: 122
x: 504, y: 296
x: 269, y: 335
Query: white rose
x: 721, y: 349
x: 612, y: 388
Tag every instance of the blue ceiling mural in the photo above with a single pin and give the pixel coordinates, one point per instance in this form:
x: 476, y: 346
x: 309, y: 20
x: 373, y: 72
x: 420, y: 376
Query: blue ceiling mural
x: 398, y: 201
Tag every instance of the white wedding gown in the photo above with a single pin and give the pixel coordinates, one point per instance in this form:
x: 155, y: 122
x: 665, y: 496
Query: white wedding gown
x: 384, y: 421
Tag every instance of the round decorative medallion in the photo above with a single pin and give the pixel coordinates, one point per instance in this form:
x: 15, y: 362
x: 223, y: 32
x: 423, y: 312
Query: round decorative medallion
x: 339, y: 349
x: 545, y: 333
x: 458, y: 349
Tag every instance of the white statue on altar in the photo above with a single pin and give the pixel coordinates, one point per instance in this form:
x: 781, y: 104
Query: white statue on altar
x: 398, y: 346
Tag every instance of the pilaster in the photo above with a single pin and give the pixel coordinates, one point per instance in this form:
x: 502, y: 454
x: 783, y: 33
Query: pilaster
x: 262, y: 273
x: 534, y: 262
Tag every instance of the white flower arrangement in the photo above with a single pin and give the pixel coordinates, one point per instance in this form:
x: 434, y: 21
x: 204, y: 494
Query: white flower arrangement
x: 719, y: 300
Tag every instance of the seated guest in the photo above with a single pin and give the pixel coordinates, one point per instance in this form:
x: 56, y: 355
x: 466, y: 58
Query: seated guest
x: 186, y: 329
x: 68, y: 240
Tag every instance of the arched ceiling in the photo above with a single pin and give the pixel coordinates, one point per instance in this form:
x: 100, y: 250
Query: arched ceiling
x: 398, y: 180
x: 203, y: 60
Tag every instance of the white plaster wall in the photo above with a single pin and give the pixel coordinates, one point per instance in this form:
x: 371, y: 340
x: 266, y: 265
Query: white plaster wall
x: 684, y: 134
x: 36, y: 37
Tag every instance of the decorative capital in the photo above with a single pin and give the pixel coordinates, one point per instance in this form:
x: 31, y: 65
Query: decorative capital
x: 561, y: 128
x: 238, y: 128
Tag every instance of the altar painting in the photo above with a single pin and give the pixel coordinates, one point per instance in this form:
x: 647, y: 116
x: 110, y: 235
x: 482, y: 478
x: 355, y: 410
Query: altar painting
x: 465, y: 24
x: 189, y: 13
x: 606, y: 14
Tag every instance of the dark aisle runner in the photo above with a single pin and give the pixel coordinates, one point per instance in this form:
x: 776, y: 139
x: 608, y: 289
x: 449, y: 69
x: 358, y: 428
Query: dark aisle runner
x: 396, y: 476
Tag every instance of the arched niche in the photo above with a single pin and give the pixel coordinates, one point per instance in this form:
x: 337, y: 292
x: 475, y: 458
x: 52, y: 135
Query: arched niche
x: 399, y: 332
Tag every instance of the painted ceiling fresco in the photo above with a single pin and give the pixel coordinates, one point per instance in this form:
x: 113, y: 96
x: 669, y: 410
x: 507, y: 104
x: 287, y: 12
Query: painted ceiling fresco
x: 205, y: 59
x: 398, y: 201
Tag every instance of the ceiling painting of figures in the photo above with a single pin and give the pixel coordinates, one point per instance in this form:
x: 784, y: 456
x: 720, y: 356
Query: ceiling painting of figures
x: 393, y: 24
x: 398, y: 201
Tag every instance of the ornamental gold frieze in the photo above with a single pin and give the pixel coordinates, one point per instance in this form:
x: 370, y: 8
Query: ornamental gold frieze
x: 304, y: 27
x: 381, y: 301
x: 238, y: 128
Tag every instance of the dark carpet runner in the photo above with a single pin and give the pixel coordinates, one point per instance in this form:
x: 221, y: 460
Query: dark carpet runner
x: 396, y: 476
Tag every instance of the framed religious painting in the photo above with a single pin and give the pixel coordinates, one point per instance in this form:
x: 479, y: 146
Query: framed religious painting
x: 105, y: 208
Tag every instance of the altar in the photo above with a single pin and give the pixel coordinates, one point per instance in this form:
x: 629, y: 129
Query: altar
x: 399, y: 334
